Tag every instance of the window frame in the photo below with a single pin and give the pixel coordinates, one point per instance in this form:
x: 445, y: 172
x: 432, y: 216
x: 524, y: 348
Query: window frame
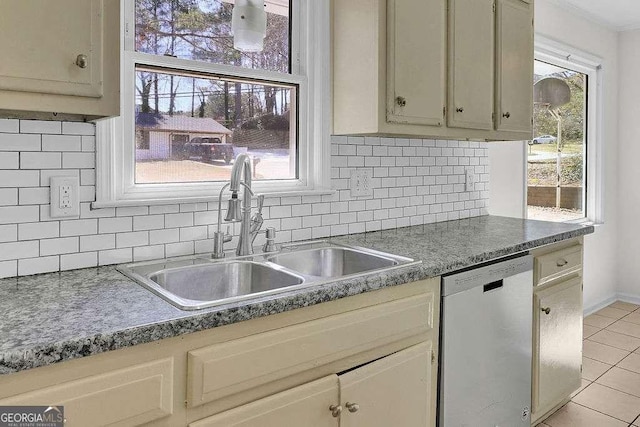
x: 563, y: 55
x: 310, y: 72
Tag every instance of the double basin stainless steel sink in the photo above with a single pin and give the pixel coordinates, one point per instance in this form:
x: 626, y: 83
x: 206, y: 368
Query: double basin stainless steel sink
x: 197, y: 282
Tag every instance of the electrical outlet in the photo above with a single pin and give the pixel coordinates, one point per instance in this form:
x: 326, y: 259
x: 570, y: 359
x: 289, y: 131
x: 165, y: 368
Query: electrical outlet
x: 64, y: 194
x: 361, y: 183
x: 470, y: 179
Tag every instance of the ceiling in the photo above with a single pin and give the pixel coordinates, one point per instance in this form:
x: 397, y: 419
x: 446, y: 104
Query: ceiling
x: 620, y: 15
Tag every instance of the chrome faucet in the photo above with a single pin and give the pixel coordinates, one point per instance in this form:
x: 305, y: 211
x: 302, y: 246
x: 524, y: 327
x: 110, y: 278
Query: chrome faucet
x: 249, y: 226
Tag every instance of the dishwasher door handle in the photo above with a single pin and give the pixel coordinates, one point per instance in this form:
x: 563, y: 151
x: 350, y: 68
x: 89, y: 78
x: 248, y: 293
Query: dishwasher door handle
x: 493, y: 285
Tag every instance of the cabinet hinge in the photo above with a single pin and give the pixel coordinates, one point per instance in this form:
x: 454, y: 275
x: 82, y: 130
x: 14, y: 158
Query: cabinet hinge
x: 433, y: 357
x: 444, y: 112
x: 494, y: 6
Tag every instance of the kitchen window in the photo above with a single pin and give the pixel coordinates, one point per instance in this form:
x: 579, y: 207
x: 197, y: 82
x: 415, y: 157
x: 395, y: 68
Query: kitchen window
x: 564, y: 162
x: 191, y: 103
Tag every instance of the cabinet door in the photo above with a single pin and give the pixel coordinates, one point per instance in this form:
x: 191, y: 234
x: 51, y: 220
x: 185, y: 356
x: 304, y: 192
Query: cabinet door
x: 306, y: 405
x: 41, y: 42
x: 416, y: 40
x: 471, y: 64
x: 398, y: 390
x: 514, y: 67
x: 557, y: 347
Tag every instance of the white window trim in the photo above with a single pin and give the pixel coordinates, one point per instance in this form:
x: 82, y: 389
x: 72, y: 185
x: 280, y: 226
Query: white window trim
x: 310, y: 71
x: 563, y: 55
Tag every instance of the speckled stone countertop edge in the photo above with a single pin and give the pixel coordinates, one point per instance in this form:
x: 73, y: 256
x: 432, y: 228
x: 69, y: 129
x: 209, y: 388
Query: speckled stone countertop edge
x: 55, y: 352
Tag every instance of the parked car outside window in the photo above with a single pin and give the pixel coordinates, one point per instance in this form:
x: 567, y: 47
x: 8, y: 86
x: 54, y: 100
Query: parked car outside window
x: 544, y: 139
x: 208, y: 149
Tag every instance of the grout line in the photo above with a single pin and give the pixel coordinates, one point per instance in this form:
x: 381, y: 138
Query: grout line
x: 600, y: 412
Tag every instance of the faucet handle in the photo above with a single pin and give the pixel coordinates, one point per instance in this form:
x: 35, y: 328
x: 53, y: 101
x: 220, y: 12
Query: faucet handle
x: 260, y: 200
x: 270, y: 245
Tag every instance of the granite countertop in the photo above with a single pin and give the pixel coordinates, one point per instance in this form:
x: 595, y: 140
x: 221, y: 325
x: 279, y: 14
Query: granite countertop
x: 50, y: 318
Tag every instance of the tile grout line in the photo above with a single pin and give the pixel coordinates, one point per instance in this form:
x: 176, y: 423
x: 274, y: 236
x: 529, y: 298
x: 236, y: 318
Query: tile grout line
x: 595, y: 410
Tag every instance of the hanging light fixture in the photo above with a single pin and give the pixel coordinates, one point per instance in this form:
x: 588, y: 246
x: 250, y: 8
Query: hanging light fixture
x: 249, y: 25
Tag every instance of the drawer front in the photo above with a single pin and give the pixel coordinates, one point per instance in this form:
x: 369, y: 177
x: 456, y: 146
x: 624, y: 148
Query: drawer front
x: 124, y: 397
x: 235, y: 366
x: 556, y: 264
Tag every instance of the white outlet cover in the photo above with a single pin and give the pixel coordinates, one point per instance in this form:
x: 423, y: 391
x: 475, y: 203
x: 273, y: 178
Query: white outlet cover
x: 470, y: 179
x: 361, y: 183
x: 63, y: 205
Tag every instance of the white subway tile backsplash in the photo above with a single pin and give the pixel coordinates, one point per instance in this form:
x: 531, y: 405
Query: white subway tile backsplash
x: 65, y: 245
x: 19, y: 214
x: 97, y: 242
x: 19, y: 250
x: 61, y: 143
x: 8, y: 233
x: 78, y: 128
x: 40, y: 126
x: 80, y: 227
x: 414, y: 182
x: 38, y: 230
x: 38, y: 265
x: 19, y: 178
x: 37, y: 160
x: 8, y: 268
x: 128, y: 240
x: 9, y: 125
x: 115, y: 225
x: 19, y: 142
x: 9, y: 160
x: 78, y: 160
x: 115, y: 256
x: 8, y: 196
x: 79, y: 260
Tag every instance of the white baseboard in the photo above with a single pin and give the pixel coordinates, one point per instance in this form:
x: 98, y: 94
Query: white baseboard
x: 632, y: 298
x: 599, y: 305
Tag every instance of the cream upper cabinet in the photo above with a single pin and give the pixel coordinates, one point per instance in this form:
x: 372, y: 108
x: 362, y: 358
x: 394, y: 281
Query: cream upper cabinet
x: 416, y: 39
x: 471, y: 64
x: 514, y: 92
x: 393, y: 391
x: 431, y: 68
x: 60, y: 56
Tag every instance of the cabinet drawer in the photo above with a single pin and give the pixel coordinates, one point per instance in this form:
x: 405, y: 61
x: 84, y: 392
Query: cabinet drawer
x: 235, y: 366
x: 129, y: 396
x: 556, y: 264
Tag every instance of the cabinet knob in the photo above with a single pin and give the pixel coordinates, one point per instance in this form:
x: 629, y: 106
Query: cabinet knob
x: 336, y: 410
x: 562, y: 262
x: 546, y: 310
x: 401, y: 101
x: 352, y: 407
x: 82, y: 60
x: 506, y: 115
x: 459, y: 110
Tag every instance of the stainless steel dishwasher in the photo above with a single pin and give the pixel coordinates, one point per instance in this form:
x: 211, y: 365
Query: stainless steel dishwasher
x: 485, y: 371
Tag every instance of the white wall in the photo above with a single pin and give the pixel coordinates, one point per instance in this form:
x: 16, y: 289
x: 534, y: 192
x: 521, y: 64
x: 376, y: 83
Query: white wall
x: 552, y: 21
x: 628, y: 163
x: 508, y: 170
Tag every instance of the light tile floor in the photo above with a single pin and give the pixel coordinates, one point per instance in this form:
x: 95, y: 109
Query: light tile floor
x: 610, y: 393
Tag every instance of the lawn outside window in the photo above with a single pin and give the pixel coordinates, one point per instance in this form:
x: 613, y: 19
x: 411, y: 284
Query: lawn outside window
x: 190, y: 103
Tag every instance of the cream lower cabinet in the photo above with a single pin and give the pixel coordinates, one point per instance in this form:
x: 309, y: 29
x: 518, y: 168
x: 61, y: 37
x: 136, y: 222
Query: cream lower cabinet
x: 368, y: 359
x: 557, y: 320
x: 396, y: 390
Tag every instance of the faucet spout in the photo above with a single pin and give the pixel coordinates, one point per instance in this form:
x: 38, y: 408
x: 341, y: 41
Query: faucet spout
x: 241, y: 175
